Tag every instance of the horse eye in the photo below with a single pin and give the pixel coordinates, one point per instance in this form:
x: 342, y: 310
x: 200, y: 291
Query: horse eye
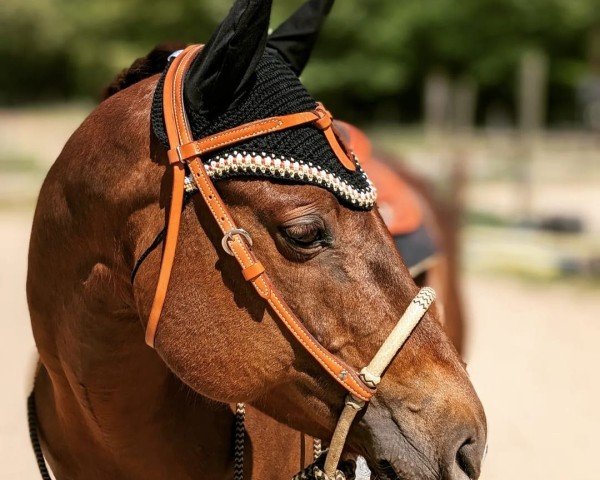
x: 305, y: 234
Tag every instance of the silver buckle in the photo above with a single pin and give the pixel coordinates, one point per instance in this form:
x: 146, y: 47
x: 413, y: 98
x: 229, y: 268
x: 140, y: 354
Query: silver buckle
x: 228, y: 236
x: 178, y: 150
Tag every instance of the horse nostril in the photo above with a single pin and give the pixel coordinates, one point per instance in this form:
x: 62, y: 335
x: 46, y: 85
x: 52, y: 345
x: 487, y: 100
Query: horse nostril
x: 468, y: 459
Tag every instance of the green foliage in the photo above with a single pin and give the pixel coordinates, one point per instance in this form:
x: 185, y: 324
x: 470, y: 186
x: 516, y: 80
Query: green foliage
x: 371, y: 51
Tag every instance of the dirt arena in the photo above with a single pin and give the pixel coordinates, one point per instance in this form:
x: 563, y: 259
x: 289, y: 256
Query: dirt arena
x: 533, y: 356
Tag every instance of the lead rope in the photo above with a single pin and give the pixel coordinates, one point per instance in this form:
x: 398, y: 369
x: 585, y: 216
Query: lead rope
x: 35, y: 440
x: 240, y: 438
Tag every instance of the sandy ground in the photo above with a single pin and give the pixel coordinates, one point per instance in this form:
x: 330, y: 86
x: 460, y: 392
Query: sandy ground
x: 533, y: 356
x: 17, y: 355
x: 533, y: 359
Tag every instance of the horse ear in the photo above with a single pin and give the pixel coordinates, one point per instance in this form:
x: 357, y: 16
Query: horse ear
x: 228, y: 61
x: 295, y: 38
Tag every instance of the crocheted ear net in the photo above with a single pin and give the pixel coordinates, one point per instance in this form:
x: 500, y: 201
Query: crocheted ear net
x: 297, y: 155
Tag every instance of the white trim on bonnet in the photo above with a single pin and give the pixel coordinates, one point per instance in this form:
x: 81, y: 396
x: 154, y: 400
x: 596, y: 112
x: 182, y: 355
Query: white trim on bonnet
x: 291, y: 169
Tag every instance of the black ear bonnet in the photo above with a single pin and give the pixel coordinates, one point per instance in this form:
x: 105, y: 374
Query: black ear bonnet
x: 299, y: 155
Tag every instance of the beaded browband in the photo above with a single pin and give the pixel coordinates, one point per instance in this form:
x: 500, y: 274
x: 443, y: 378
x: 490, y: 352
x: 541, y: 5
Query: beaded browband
x: 251, y: 163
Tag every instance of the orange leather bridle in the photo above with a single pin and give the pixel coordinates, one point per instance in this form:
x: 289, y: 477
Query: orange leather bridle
x: 185, y: 152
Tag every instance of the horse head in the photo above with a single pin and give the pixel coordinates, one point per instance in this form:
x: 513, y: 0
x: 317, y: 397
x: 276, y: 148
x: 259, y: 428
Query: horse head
x: 325, y: 247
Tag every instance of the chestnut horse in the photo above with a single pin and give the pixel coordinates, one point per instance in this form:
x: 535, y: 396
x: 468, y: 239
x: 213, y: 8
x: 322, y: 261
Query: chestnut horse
x: 109, y: 407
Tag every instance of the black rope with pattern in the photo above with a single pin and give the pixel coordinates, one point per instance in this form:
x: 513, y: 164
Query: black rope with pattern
x: 240, y: 437
x: 33, y: 435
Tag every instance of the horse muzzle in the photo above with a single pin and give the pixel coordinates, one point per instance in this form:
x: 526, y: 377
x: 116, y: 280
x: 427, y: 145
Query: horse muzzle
x: 440, y: 438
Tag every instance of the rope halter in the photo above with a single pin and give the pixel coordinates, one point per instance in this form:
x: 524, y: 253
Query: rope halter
x: 371, y: 375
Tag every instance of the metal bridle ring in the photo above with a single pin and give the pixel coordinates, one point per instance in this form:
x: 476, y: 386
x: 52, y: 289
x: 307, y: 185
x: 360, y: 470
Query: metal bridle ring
x: 228, y: 236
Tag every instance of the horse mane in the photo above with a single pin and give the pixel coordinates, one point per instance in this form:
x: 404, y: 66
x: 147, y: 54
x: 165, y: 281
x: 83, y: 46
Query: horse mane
x: 154, y: 62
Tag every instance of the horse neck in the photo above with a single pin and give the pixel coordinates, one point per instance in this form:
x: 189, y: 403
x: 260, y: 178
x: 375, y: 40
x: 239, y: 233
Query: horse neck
x: 118, y: 406
x: 106, y: 402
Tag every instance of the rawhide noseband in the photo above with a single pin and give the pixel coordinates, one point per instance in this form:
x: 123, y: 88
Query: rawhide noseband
x: 185, y: 153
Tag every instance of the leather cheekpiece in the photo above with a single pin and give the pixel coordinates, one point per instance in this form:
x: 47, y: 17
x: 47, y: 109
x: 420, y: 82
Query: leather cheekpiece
x: 184, y: 150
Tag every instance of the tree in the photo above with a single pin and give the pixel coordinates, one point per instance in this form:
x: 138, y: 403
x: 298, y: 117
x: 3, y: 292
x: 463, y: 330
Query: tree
x: 372, y: 53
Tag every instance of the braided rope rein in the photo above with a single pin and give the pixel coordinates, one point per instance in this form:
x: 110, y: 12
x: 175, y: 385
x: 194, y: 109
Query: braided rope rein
x: 240, y: 438
x: 317, y: 448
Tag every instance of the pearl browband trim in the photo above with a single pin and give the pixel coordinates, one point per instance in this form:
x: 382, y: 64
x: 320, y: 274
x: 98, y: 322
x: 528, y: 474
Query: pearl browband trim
x: 281, y: 167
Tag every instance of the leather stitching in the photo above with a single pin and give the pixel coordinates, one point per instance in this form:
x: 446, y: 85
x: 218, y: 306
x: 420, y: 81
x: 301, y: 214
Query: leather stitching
x: 278, y: 123
x: 180, y: 112
x: 169, y: 253
x: 227, y: 224
x: 293, y: 120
